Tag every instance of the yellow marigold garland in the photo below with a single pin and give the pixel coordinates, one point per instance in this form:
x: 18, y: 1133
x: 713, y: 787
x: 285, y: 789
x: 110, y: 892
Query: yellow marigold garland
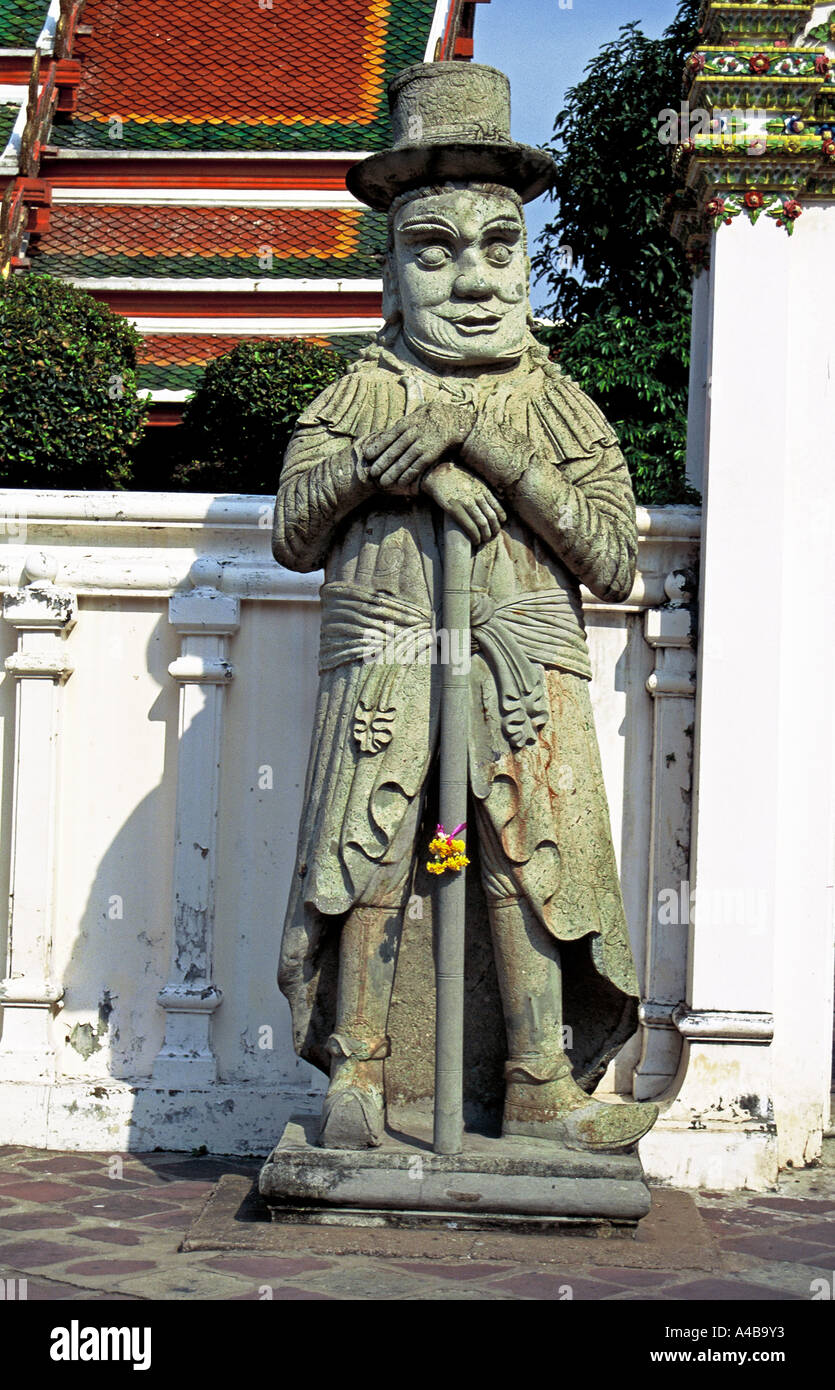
x: 448, y: 851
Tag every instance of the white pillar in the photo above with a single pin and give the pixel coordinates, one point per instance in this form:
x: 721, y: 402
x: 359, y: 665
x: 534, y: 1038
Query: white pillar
x: 757, y: 1019
x: 205, y: 620
x: 43, y: 615
x: 672, y: 687
x: 698, y: 389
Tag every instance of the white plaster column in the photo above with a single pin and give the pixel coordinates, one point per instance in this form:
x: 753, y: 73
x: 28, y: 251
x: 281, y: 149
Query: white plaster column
x: 672, y: 687
x: 698, y: 388
x: 752, y: 1092
x: 42, y: 615
x: 205, y: 619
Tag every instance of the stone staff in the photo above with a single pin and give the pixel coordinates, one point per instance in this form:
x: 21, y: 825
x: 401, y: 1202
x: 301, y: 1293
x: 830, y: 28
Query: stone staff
x: 452, y: 902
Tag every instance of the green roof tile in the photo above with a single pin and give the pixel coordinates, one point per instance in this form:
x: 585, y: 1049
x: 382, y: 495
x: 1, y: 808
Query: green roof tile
x: 21, y: 21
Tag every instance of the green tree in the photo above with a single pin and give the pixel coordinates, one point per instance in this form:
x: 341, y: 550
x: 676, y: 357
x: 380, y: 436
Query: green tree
x: 71, y: 417
x: 622, y: 300
x: 238, y: 423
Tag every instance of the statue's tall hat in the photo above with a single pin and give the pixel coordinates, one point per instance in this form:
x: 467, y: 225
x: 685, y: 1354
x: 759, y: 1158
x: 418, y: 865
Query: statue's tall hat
x: 451, y: 121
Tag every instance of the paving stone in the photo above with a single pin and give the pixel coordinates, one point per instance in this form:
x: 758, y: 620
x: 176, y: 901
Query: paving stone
x: 556, y: 1288
x: 640, y: 1278
x: 796, y: 1279
x: 179, y: 1280
x: 111, y: 1235
x: 32, y: 1254
x: 636, y: 1296
x: 42, y: 1191
x: 115, y: 1206
x: 103, y: 1296
x: 802, y: 1204
x: 434, y: 1270
x: 726, y: 1220
x: 725, y: 1291
x: 780, y: 1247
x: 285, y: 1293
x: 45, y: 1291
x: 167, y: 1220
x: 37, y: 1221
x: 186, y: 1191
x: 824, y: 1231
x: 368, y: 1279
x: 267, y: 1266
x: 772, y: 1246
x: 63, y: 1163
x: 103, y: 1180
x: 207, y: 1169
x: 107, y: 1268
x: 460, y: 1293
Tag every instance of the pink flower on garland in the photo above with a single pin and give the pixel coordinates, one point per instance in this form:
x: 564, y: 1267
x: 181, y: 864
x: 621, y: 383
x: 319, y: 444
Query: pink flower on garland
x: 821, y: 65
x: 759, y: 64
x: 696, y: 62
x: 792, y: 209
x: 716, y: 207
x: 754, y: 200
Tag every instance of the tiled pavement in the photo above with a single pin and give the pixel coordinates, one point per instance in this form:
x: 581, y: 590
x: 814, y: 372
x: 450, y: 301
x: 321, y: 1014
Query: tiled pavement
x: 91, y: 1226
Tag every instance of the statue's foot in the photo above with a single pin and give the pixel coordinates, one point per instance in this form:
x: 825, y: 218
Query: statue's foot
x: 559, y: 1110
x: 352, y: 1119
x: 354, y: 1112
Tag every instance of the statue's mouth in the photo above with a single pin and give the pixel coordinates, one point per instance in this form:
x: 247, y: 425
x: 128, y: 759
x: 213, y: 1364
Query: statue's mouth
x: 478, y: 323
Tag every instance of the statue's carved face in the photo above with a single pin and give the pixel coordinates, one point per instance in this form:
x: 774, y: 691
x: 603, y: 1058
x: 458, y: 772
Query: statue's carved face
x: 462, y: 277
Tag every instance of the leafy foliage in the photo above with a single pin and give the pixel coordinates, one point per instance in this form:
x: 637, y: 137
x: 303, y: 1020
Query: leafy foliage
x: 238, y: 423
x: 71, y: 417
x: 623, y: 322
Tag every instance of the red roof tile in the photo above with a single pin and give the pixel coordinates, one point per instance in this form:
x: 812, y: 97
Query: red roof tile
x: 227, y: 59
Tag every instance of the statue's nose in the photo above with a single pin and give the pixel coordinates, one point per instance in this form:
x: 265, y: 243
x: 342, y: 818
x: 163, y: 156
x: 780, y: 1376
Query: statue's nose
x: 471, y: 284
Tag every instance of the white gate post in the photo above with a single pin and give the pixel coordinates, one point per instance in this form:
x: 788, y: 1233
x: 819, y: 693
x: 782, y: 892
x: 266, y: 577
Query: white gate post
x: 43, y: 615
x: 205, y: 619
x: 672, y: 687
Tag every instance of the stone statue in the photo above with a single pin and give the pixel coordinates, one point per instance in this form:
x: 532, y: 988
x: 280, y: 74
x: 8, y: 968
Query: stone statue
x: 457, y: 409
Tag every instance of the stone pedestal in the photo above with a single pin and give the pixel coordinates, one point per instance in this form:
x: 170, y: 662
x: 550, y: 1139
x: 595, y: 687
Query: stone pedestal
x: 494, y: 1183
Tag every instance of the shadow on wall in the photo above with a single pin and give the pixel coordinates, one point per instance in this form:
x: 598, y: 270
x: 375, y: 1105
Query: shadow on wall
x: 113, y: 954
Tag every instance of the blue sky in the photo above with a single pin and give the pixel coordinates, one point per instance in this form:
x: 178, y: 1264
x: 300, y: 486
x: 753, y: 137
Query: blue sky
x: 544, y: 49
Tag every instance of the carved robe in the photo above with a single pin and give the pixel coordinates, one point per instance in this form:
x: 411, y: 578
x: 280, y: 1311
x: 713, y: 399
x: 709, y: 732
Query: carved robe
x: 535, y: 774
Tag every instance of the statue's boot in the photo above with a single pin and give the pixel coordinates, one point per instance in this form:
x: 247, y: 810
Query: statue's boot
x: 559, y: 1109
x: 542, y: 1099
x: 354, y: 1112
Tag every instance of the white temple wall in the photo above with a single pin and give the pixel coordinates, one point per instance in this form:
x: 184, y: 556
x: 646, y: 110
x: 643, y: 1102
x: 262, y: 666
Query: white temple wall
x: 752, y: 1095
x: 132, y: 1020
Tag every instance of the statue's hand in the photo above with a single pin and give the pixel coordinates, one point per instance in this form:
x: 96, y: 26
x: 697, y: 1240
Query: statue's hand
x: 467, y: 499
x: 397, y: 458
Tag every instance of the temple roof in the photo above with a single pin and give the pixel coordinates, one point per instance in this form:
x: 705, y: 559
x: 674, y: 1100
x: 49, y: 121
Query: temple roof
x: 186, y: 163
x: 230, y: 74
x: 104, y: 240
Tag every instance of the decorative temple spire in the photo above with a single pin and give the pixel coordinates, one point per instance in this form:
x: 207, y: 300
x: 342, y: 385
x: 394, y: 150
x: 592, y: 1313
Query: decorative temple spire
x: 755, y: 132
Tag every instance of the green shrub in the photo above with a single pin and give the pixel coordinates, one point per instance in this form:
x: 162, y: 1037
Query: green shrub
x: 238, y: 423
x: 70, y: 414
x: 622, y: 299
x: 637, y: 372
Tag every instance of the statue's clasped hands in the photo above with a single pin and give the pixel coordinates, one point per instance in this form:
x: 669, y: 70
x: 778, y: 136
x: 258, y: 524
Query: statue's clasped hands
x: 413, y: 455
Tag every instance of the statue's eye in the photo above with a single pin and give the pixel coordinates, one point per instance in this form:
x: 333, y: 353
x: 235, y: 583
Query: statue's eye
x: 433, y: 257
x: 499, y: 253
